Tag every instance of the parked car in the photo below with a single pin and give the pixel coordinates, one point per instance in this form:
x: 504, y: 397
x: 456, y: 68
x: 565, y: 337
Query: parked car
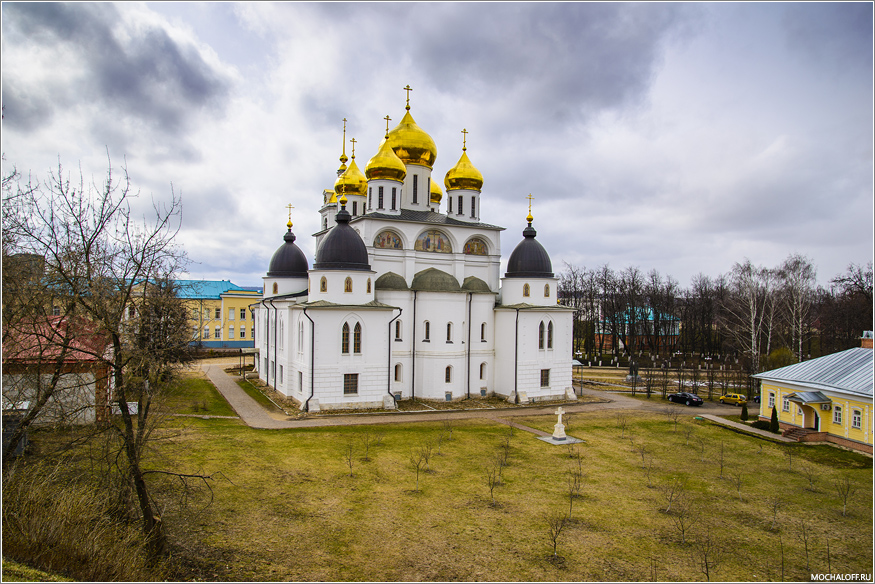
x: 733, y: 398
x: 682, y: 397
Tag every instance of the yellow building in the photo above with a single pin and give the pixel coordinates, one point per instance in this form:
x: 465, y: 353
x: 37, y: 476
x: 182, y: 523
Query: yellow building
x: 219, y: 314
x: 828, y: 399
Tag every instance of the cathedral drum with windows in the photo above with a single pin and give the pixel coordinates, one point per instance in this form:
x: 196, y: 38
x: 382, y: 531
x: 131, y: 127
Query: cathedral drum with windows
x: 405, y: 300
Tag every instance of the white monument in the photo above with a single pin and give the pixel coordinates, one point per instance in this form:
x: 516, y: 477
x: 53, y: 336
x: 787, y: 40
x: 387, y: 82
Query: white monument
x: 559, y: 428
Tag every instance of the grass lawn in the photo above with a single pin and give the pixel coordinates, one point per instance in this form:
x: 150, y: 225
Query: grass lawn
x: 286, y: 508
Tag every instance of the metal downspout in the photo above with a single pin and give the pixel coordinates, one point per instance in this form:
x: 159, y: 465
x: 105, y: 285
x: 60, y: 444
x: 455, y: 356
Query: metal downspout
x: 306, y: 407
x: 389, y: 344
x: 468, y: 348
x: 413, y: 351
x: 275, y: 344
x: 516, y: 348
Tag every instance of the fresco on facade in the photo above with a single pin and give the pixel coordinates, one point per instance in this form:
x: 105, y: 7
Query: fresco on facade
x: 433, y: 240
x: 388, y: 240
x: 476, y: 246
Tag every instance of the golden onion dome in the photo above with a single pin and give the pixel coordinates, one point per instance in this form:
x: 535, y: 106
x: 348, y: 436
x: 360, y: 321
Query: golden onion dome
x: 385, y: 164
x: 351, y: 182
x: 463, y: 175
x: 436, y: 194
x: 330, y: 197
x: 411, y: 144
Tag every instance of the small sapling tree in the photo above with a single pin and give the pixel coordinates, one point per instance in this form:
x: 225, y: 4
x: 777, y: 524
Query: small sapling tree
x: 775, y: 504
x: 349, y: 455
x: 844, y: 488
x: 417, y: 462
x: 672, y: 491
x: 555, y: 524
x: 683, y: 518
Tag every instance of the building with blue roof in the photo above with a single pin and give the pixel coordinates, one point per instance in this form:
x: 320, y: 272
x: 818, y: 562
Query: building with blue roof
x: 220, y: 314
x: 828, y: 399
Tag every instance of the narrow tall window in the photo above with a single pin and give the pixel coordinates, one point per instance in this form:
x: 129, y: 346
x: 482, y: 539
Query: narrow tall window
x: 276, y: 288
x: 380, y: 198
x: 371, y: 198
x: 355, y: 208
x: 526, y: 290
x: 206, y: 332
x: 242, y: 314
x: 449, y: 332
x: 483, y: 332
x: 347, y: 284
x: 242, y: 332
x: 357, y: 338
x: 461, y: 210
x: 218, y: 332
x: 546, y: 290
x: 344, y: 339
x: 541, y: 335
x: 448, y: 374
x: 449, y: 205
x: 397, y: 330
x: 394, y: 198
x: 230, y: 314
x: 369, y: 285
x: 398, y: 372
x: 549, y: 335
x: 483, y: 371
x: 427, y: 327
x: 415, y: 188
x: 231, y: 332
x: 771, y: 399
x: 323, y: 284
x: 218, y: 314
x: 472, y: 208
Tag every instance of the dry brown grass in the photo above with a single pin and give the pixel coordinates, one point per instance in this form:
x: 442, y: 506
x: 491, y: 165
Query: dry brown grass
x: 290, y: 511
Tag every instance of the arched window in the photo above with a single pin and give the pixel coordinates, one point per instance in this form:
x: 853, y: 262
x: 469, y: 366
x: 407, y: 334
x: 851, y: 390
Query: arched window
x: 397, y: 330
x: 344, y: 340
x: 483, y: 371
x: 275, y: 288
x: 347, y: 284
x: 526, y: 290
x: 398, y: 372
x: 541, y: 335
x: 357, y: 338
x: 546, y: 290
x: 369, y: 285
x: 323, y: 284
x: 550, y: 335
x: 448, y: 375
x: 427, y: 327
x: 483, y: 332
x: 449, y: 332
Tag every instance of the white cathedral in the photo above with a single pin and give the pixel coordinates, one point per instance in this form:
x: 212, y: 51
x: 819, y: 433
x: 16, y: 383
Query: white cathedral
x: 405, y: 300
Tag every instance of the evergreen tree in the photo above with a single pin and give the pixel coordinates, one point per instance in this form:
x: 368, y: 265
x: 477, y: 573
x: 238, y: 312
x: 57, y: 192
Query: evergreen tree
x: 744, y: 412
x: 773, y: 425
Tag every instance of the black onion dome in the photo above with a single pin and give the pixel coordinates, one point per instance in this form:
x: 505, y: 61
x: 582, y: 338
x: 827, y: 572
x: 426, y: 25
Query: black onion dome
x: 529, y: 258
x: 288, y: 260
x: 342, y: 248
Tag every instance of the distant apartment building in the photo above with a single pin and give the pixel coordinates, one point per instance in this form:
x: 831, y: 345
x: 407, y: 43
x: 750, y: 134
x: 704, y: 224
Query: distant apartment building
x: 219, y: 313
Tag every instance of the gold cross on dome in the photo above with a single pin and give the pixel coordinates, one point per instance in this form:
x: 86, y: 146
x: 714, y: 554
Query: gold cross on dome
x: 343, y: 158
x: 353, y: 147
x: 408, y: 89
x: 464, y: 139
x: 530, y: 197
x: 290, y: 207
x: 388, y: 119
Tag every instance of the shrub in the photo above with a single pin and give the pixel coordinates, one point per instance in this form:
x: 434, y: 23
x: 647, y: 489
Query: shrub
x: 762, y: 425
x: 744, y: 414
x: 774, y: 426
x: 67, y: 527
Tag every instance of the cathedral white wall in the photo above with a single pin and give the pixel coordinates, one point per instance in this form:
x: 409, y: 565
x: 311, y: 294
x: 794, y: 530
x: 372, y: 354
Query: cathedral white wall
x: 512, y: 291
x: 284, y: 286
x: 335, y: 286
x: 423, y: 196
x: 464, y: 214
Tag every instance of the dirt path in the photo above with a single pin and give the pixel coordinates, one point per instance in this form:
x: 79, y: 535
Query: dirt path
x: 256, y: 417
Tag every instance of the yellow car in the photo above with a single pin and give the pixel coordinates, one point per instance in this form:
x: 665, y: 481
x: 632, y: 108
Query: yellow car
x: 733, y: 398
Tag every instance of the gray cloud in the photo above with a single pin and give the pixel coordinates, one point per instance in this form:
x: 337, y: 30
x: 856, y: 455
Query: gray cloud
x: 143, y: 73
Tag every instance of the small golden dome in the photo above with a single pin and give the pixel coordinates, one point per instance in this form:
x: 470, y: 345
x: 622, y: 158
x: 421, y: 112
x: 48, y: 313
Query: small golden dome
x: 411, y: 144
x: 351, y: 182
x: 385, y: 164
x: 436, y: 194
x: 463, y: 175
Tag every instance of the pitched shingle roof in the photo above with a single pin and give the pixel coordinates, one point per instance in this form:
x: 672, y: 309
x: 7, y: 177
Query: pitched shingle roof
x: 850, y: 371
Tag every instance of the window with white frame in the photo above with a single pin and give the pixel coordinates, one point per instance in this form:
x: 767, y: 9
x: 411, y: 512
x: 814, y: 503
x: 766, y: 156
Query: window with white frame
x: 218, y: 313
x: 230, y: 314
x: 231, y: 332
x: 786, y: 404
x: 857, y: 419
x: 206, y: 332
x: 218, y: 332
x: 771, y: 399
x: 242, y: 332
x: 242, y: 314
x: 837, y: 414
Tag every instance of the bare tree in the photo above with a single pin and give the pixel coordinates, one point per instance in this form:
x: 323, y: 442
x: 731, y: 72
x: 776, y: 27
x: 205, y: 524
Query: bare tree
x: 745, y: 308
x: 844, y: 488
x: 492, y: 478
x: 775, y: 505
x: 737, y: 479
x: 810, y: 472
x: 805, y: 535
x: 349, y: 455
x: 555, y: 524
x: 367, y: 439
x: 683, y: 518
x: 798, y: 279
x: 706, y: 550
x: 673, y: 415
x: 105, y: 261
x: 417, y: 462
x: 673, y: 491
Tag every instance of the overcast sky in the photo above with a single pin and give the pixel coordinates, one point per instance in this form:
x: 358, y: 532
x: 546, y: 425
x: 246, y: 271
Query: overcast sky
x: 679, y: 137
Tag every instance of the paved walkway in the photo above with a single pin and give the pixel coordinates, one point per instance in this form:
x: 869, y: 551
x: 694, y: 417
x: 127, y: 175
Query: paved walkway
x: 256, y: 416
